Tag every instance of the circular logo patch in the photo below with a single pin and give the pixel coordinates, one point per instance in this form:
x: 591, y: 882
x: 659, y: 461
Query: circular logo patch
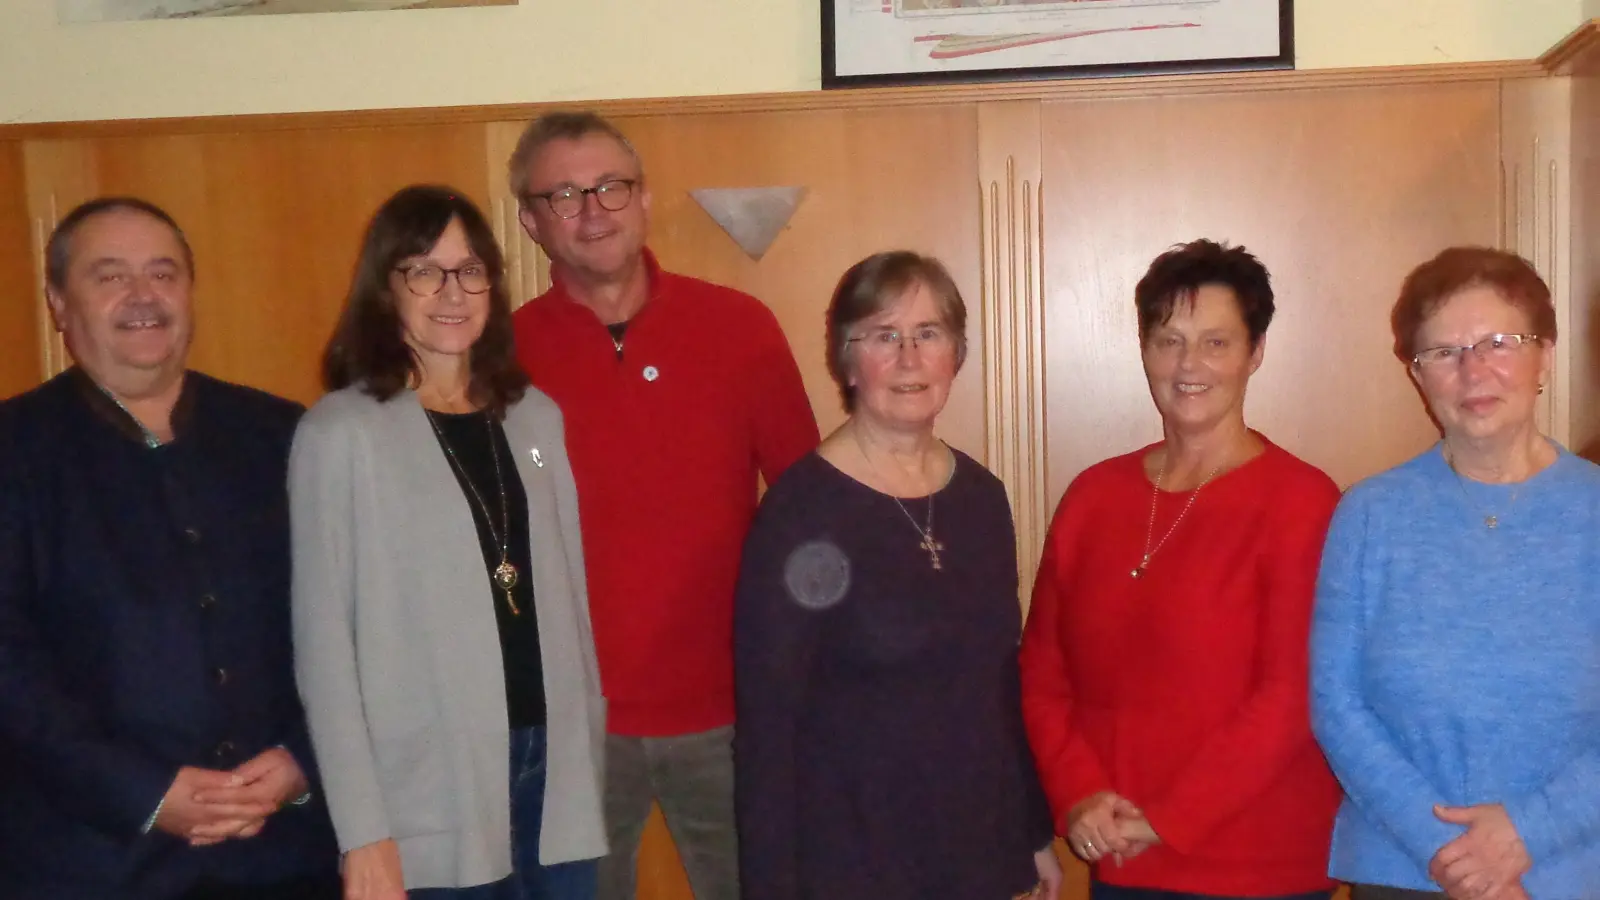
x: 817, y: 574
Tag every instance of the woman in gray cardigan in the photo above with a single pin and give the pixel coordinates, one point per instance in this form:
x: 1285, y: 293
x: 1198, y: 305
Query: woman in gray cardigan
x: 441, y: 621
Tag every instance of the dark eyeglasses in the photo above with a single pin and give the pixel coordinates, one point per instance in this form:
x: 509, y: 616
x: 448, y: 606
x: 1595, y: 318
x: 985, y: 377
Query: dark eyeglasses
x: 427, y: 279
x: 568, y: 202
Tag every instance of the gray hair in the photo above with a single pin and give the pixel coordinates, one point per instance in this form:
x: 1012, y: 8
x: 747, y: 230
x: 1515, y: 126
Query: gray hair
x: 873, y: 285
x: 552, y: 127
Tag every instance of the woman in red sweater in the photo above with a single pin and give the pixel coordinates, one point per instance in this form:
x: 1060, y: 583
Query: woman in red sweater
x: 1164, y: 662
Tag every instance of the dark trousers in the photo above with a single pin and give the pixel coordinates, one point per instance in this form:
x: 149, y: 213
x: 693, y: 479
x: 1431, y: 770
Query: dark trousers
x: 529, y: 880
x: 325, y: 887
x: 1383, y: 892
x: 1099, y: 890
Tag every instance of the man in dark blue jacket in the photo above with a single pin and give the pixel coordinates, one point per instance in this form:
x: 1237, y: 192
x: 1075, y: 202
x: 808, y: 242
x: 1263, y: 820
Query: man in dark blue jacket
x: 152, y: 744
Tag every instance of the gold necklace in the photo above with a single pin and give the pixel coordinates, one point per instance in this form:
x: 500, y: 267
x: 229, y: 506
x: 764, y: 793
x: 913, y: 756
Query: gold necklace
x: 1150, y: 530
x: 1491, y: 520
x: 928, y: 542
x: 505, y: 574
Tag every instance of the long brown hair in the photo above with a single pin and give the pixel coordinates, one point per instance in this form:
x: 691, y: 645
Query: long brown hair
x: 368, y: 346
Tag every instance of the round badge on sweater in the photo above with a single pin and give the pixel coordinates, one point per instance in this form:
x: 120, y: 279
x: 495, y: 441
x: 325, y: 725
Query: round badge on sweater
x: 651, y: 373
x: 817, y: 574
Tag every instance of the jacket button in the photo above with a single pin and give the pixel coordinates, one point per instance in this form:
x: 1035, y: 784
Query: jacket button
x: 221, y: 675
x: 208, y: 600
x: 192, y: 535
x: 224, y: 751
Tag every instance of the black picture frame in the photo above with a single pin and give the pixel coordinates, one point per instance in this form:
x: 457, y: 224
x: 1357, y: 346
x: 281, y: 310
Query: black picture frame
x: 831, y: 80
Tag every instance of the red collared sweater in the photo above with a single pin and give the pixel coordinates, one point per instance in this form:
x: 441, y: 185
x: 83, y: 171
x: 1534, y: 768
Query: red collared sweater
x: 666, y: 443
x: 1186, y: 690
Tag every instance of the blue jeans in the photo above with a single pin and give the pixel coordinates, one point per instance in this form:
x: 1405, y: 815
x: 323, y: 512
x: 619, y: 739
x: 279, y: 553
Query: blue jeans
x: 529, y: 880
x: 1099, y: 890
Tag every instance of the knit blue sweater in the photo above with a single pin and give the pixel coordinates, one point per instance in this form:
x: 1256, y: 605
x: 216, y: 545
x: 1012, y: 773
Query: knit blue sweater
x: 1456, y: 664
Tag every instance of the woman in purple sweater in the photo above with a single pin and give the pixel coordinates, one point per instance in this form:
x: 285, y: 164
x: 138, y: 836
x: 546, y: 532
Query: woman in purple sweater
x: 880, y: 752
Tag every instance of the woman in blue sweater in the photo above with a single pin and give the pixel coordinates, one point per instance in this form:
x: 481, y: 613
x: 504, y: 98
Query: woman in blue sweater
x: 1456, y: 643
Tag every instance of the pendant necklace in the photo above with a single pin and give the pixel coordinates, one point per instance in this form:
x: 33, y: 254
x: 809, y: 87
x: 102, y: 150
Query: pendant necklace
x: 928, y: 542
x: 505, y: 575
x: 1491, y: 520
x: 1150, y: 530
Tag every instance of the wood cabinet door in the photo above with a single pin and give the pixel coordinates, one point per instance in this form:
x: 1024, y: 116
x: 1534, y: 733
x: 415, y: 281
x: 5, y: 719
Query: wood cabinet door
x: 275, y: 219
x: 1340, y: 192
x: 22, y: 323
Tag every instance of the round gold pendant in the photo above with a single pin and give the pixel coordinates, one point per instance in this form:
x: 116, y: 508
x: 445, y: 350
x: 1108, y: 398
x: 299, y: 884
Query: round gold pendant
x: 505, y: 576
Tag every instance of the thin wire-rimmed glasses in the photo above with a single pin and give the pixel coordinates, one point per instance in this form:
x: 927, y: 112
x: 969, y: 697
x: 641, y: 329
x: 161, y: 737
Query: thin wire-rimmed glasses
x: 568, y: 202
x: 1496, y: 348
x: 427, y: 279
x: 885, y: 343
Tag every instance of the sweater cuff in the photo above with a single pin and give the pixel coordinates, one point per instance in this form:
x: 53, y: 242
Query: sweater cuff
x: 1531, y: 817
x: 1175, y: 830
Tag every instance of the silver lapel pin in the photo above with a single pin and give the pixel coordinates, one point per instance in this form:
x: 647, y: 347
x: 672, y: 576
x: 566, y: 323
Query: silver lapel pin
x: 537, y: 459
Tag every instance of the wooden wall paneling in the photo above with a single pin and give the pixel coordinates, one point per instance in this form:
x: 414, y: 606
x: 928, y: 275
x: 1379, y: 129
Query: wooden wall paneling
x: 900, y: 178
x: 527, y: 268
x: 22, y: 327
x: 1012, y: 305
x: 275, y: 219
x: 1582, y: 339
x: 1536, y: 209
x: 59, y: 174
x: 1340, y: 192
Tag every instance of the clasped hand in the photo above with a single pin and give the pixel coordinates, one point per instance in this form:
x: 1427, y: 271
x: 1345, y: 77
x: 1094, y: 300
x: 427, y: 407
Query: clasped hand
x: 1107, y: 824
x: 1487, y: 861
x: 208, y: 806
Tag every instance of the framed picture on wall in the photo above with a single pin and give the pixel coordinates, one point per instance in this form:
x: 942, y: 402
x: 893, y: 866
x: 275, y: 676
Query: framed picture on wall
x: 888, y: 42
x: 76, y: 11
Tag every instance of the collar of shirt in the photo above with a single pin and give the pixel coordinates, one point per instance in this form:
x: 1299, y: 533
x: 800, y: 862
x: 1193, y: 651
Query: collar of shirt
x: 110, y: 410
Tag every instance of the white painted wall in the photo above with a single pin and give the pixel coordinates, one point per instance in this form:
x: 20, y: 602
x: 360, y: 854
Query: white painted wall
x: 584, y: 49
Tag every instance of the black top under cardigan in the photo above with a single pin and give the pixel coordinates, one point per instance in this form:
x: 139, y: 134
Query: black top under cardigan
x: 468, y: 435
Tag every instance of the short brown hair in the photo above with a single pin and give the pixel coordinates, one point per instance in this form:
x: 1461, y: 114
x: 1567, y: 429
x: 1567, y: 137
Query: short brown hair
x: 873, y: 285
x: 1176, y: 275
x: 558, y: 126
x: 368, y: 347
x: 1456, y: 269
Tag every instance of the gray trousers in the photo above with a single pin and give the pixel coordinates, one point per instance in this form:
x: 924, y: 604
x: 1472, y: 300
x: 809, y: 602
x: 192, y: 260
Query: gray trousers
x: 691, y: 776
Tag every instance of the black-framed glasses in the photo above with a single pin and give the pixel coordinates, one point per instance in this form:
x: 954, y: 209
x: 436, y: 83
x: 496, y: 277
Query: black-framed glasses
x: 427, y: 279
x: 568, y: 202
x: 1496, y: 348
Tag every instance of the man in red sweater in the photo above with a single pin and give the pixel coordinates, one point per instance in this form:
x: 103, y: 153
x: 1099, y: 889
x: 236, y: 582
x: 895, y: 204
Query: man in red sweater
x: 677, y: 395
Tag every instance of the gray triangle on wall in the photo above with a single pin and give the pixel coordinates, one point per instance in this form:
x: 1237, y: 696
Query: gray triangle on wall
x: 752, y: 216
